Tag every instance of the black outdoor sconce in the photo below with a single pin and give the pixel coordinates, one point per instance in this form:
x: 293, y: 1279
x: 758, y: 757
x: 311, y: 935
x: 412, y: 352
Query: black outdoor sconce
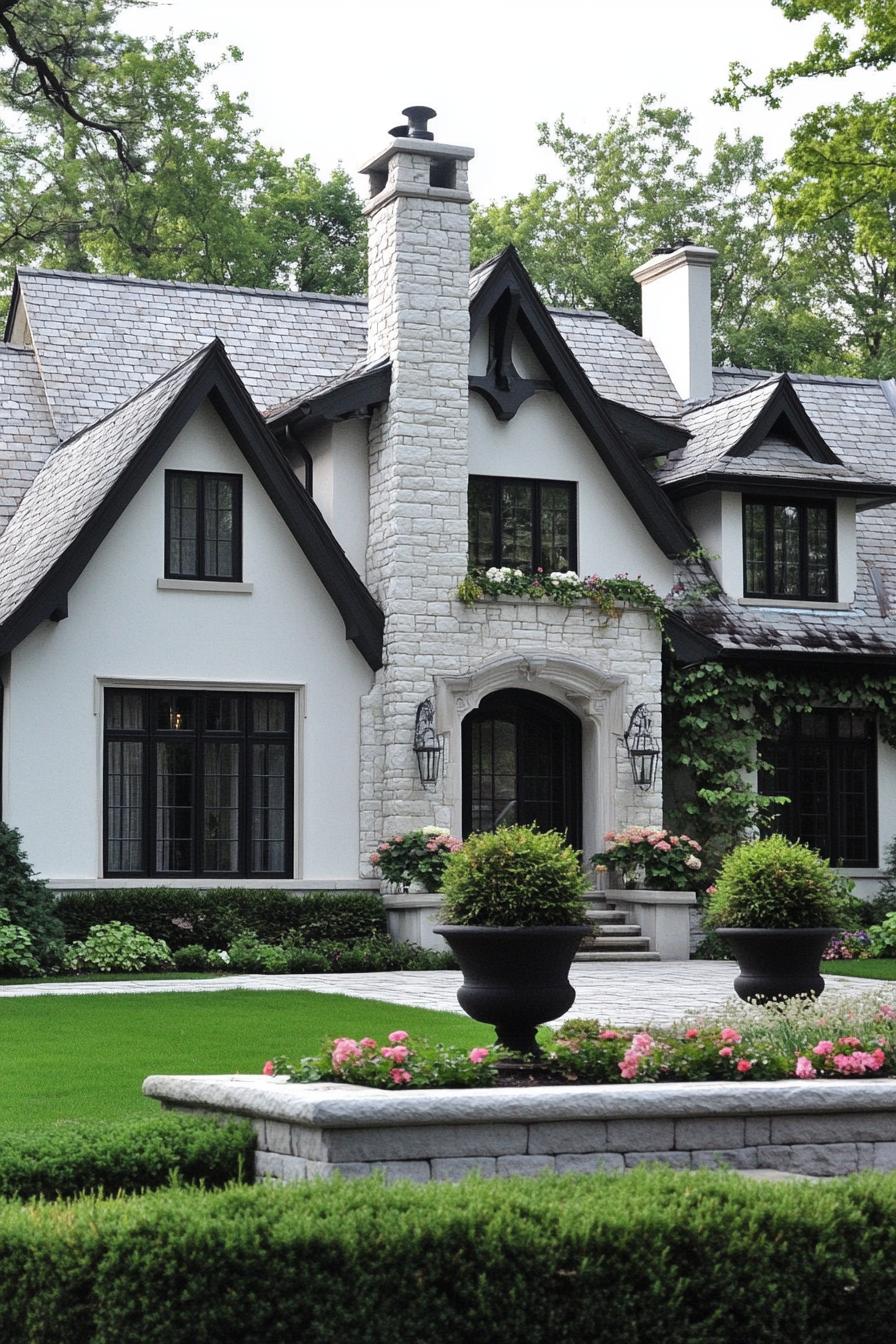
x: 428, y: 744
x: 643, y: 748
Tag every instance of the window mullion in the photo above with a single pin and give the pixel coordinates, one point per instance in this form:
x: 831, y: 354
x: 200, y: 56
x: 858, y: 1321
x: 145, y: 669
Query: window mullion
x: 535, y: 523
x: 497, y: 520
x: 803, y: 523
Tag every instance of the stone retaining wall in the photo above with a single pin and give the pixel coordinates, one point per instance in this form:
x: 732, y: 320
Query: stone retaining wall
x: 819, y: 1128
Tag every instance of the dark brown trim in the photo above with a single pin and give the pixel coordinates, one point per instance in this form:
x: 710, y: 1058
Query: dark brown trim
x: 652, y: 506
x: 784, y: 403
x: 537, y: 485
x: 15, y: 299
x: 215, y: 379
x: 201, y: 478
x: 878, y: 492
x: 767, y: 504
x: 689, y: 646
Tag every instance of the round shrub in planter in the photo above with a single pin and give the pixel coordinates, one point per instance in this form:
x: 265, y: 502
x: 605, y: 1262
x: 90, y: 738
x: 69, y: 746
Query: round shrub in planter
x: 777, y: 904
x: 514, y: 918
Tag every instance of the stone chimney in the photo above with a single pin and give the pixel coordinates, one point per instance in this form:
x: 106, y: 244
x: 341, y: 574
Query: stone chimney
x: 418, y: 306
x: 676, y: 314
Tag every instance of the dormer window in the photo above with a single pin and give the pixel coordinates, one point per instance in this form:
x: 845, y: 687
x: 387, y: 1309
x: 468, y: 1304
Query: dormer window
x: 522, y: 523
x: 790, y: 550
x: 203, y: 526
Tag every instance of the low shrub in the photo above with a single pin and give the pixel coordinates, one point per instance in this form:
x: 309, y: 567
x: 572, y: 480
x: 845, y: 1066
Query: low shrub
x: 656, y: 1257
x: 195, y: 957
x: 516, y: 875
x: 117, y: 947
x: 214, y: 918
x: 16, y: 948
x: 849, y: 945
x: 248, y: 955
x: 381, y: 954
x: 72, y: 1159
x: 306, y: 960
x: 775, y: 884
x: 882, y: 937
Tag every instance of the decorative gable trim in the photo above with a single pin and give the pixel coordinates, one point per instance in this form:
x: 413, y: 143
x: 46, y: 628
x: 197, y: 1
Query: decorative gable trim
x: 508, y: 283
x: 785, y: 406
x: 356, y: 394
x: 214, y: 379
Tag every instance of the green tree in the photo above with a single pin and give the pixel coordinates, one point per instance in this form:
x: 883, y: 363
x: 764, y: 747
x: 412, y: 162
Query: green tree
x: 639, y: 184
x: 200, y: 197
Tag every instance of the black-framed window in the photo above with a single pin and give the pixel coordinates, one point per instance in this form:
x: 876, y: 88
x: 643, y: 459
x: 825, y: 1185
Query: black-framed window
x: 198, y: 783
x: 522, y: 523
x: 203, y: 526
x: 826, y: 764
x: 790, y: 549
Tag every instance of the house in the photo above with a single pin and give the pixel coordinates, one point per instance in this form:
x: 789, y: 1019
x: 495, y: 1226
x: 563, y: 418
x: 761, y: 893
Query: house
x: 234, y: 524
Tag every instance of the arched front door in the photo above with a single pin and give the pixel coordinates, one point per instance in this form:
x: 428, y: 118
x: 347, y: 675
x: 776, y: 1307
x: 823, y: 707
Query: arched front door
x: 522, y: 762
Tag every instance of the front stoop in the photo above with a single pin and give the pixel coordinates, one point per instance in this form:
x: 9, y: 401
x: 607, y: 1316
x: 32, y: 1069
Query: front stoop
x: 613, y: 938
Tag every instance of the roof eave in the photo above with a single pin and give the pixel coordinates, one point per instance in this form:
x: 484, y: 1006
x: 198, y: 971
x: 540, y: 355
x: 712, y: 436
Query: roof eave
x: 876, y: 493
x: 355, y: 396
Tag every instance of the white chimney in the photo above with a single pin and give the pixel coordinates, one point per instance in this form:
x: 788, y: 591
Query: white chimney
x: 676, y: 315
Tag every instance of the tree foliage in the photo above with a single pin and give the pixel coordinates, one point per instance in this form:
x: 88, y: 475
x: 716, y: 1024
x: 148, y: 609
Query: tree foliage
x: 195, y: 195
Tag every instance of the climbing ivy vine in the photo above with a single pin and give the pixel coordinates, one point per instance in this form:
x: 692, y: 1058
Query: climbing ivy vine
x: 715, y: 718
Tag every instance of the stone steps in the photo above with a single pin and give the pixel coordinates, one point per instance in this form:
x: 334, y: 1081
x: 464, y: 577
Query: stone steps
x: 617, y: 956
x: 612, y: 938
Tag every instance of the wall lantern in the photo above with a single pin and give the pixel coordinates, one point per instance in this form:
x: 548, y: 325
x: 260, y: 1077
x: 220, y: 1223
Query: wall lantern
x: 643, y: 749
x: 428, y: 744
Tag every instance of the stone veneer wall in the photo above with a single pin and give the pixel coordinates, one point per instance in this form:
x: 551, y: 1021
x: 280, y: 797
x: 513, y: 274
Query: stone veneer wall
x: 827, y: 1128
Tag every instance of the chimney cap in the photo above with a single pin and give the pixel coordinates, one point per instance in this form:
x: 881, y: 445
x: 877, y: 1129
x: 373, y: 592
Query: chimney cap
x: 416, y: 128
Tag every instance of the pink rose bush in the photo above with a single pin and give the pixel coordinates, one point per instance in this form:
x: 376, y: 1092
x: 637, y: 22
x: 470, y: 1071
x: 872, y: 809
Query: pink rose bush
x: 403, y: 1063
x: 418, y: 856
x: 652, y: 857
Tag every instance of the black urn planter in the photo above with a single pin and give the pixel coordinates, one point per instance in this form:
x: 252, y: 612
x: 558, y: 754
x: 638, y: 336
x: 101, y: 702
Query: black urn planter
x: 777, y: 963
x: 514, y: 978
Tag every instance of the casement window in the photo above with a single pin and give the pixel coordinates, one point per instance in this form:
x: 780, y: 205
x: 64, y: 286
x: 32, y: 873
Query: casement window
x: 524, y: 524
x: 790, y: 549
x: 203, y: 526
x: 826, y: 764
x: 198, y: 783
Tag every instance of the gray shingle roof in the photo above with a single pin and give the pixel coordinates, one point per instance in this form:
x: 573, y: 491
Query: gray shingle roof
x: 619, y: 364
x: 27, y: 436
x: 73, y: 482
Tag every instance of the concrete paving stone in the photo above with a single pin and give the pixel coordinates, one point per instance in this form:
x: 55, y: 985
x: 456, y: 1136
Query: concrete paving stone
x: 811, y: 1159
x: 524, y: 1164
x: 456, y: 1168
x: 401, y: 1171
x: 632, y: 1136
x: 625, y: 993
x: 680, y: 1161
x: 570, y: 1136
x: 739, y: 1159
x: 864, y: 1127
x: 400, y: 1143
x: 585, y: 1163
x: 717, y: 1132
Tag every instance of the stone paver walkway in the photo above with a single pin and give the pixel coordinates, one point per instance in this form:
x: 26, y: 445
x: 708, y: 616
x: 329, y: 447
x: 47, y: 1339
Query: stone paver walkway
x: 628, y: 993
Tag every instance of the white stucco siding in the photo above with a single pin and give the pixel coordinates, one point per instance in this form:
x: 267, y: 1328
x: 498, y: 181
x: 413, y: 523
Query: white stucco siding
x: 341, y: 484
x: 286, y: 633
x: 543, y: 441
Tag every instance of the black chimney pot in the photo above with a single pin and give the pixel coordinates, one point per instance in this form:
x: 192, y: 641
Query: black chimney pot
x: 416, y: 128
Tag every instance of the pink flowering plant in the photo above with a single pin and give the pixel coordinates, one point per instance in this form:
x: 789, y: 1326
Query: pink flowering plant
x: 416, y: 856
x: 399, y: 1062
x: 652, y: 857
x: 849, y: 945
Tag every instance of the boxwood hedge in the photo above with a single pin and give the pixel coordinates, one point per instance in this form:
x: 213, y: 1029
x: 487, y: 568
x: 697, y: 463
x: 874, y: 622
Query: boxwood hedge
x: 649, y: 1258
x: 214, y: 918
x: 71, y: 1159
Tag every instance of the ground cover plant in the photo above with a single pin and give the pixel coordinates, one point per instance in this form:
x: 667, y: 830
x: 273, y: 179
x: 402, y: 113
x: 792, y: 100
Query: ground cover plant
x: 652, y: 1257
x: 85, y: 1058
x: 124, y: 1157
x: 799, y: 1039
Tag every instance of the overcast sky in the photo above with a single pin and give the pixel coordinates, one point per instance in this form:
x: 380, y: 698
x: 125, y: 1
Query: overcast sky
x: 329, y: 77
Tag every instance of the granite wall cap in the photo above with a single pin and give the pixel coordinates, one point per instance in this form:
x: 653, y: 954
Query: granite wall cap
x: 348, y: 1106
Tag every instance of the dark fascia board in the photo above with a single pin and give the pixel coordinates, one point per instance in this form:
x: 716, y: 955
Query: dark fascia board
x: 650, y: 438
x: 814, y: 660
x: 652, y: 506
x: 352, y: 397
x: 15, y: 299
x: 215, y: 379
x: 688, y: 645
x: 876, y: 493
x: 785, y: 402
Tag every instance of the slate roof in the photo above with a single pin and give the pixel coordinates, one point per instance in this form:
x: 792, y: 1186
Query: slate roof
x: 73, y: 483
x: 352, y: 375
x: 27, y: 436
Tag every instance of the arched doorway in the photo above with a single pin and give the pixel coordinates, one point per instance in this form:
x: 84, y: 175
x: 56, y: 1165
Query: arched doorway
x: 522, y: 763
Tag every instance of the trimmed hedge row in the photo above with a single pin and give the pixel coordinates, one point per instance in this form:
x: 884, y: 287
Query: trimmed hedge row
x: 646, y: 1258
x: 649, y: 1258
x: 125, y: 1157
x: 214, y: 918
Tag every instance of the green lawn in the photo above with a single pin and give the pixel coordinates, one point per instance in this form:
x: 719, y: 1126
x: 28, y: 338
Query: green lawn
x: 68, y: 1058
x: 875, y: 968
